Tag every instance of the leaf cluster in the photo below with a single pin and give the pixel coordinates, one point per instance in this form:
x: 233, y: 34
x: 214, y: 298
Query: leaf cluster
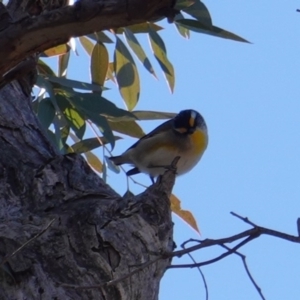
x: 65, y: 107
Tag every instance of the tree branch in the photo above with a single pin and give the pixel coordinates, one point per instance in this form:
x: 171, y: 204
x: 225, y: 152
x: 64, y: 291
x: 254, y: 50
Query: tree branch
x: 23, y: 37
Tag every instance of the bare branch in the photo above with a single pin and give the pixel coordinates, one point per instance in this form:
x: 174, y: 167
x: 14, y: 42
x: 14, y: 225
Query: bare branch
x: 243, y: 257
x: 245, y: 219
x: 207, y: 262
x: 200, y: 271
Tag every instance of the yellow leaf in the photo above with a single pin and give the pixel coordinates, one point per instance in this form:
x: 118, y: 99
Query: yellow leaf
x: 130, y: 128
x: 94, y: 161
x: 160, y: 53
x: 86, y: 44
x: 99, y: 63
x: 185, y: 215
x: 127, y: 75
x: 58, y: 50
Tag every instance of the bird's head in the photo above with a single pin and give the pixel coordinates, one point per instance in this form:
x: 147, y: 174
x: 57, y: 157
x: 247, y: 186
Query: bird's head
x: 188, y: 121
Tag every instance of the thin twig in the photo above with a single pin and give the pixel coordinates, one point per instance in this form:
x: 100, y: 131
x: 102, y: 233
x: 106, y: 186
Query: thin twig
x: 7, y: 257
x: 207, y: 262
x: 200, y: 271
x: 243, y: 257
x: 245, y: 219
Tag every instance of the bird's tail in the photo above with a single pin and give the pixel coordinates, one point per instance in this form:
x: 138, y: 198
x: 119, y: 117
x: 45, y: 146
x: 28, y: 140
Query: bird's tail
x: 117, y: 160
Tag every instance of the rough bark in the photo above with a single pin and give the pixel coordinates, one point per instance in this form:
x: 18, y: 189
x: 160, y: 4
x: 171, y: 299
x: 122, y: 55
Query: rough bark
x: 28, y: 35
x: 97, y: 235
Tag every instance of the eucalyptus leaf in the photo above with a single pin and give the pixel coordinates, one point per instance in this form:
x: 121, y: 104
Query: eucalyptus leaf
x: 140, y: 28
x: 99, y: 64
x: 90, y: 144
x: 160, y: 53
x: 75, y: 84
x: 44, y: 69
x: 126, y: 74
x: 138, y: 50
x: 86, y: 44
x: 130, y: 128
x: 57, y: 50
x: 63, y: 61
x: 200, y: 12
x: 74, y: 118
x: 100, y: 37
x: 197, y: 26
x: 94, y: 161
x: 46, y: 112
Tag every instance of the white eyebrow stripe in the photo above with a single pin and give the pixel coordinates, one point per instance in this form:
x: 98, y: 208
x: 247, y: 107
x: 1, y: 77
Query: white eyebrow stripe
x: 193, y: 114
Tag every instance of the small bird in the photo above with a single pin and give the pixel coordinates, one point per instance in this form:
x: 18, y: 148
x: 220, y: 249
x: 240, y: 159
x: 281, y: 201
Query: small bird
x: 184, y: 136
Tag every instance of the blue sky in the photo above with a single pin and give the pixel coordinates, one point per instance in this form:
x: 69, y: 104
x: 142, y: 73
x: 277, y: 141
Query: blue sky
x: 249, y: 95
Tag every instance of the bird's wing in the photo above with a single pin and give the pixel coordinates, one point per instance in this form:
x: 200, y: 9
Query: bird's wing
x: 161, y: 128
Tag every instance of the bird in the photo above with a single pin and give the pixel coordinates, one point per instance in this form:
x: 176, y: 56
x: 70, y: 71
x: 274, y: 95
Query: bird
x: 184, y: 136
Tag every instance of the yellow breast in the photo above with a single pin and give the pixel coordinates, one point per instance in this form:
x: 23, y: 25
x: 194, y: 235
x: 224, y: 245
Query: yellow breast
x: 199, y: 141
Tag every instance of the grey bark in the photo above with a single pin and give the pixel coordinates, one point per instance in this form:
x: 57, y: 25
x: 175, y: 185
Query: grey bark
x: 28, y: 35
x: 97, y: 235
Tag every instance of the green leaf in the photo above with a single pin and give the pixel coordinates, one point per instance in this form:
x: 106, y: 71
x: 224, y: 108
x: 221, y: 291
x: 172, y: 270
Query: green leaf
x: 181, y: 4
x: 44, y: 69
x: 153, y: 115
x: 130, y: 128
x: 138, y: 50
x: 75, y: 84
x: 94, y: 103
x: 140, y: 28
x: 91, y: 158
x: 42, y: 82
x: 145, y: 115
x: 181, y: 30
x: 90, y: 144
x: 58, y: 137
x: 73, y: 117
x: 46, y: 112
x: 86, y: 44
x: 200, y: 12
x: 94, y: 161
x: 160, y: 53
x: 93, y: 107
x: 103, y: 127
x: 100, y: 37
x: 127, y: 75
x: 99, y: 64
x: 197, y: 26
x: 228, y: 35
x: 63, y: 61
x: 64, y: 132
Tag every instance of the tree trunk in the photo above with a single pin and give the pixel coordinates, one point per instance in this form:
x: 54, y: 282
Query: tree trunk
x: 96, y: 237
